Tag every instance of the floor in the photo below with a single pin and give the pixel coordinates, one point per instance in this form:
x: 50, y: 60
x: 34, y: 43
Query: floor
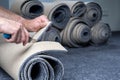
x: 89, y: 63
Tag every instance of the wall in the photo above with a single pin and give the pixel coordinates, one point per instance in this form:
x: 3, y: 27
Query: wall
x: 111, y: 13
x: 4, y: 3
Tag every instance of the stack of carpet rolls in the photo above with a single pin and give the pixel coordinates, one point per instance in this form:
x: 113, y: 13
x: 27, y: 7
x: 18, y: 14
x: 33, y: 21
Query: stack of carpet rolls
x: 33, y: 61
x: 27, y: 8
x: 75, y: 23
x: 86, y: 27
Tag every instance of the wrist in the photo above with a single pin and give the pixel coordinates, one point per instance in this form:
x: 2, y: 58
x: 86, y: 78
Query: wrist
x: 26, y: 23
x: 23, y: 21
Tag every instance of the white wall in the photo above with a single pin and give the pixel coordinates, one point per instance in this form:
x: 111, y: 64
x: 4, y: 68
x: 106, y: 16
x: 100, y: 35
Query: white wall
x: 4, y: 3
x: 111, y: 13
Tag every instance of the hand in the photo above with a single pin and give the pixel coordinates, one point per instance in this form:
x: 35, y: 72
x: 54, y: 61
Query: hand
x: 18, y: 32
x: 31, y: 25
x: 35, y: 24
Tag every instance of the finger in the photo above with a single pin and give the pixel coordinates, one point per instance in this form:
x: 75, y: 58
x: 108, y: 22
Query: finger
x: 22, y: 35
x: 26, y: 37
x: 18, y: 39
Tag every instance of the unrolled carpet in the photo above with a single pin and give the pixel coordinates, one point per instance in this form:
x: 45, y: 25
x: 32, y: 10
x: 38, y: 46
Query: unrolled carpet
x: 89, y: 63
x: 27, y: 8
x: 58, y: 13
x: 31, y: 62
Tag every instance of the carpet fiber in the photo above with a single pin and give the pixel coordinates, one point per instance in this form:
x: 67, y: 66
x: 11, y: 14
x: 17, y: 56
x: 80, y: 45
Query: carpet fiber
x: 89, y: 63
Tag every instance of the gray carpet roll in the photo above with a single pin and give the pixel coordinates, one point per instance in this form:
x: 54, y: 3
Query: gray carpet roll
x: 58, y: 13
x: 52, y: 35
x: 93, y: 14
x: 36, y: 68
x: 78, y: 8
x: 81, y: 33
x: 42, y: 67
x: 27, y: 8
x: 100, y: 33
x: 76, y: 33
x: 32, y: 62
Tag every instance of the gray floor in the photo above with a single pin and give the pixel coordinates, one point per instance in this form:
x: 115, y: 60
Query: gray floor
x: 90, y: 63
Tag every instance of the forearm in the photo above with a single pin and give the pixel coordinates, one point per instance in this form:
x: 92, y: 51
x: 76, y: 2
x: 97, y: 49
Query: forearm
x: 18, y: 33
x: 10, y: 15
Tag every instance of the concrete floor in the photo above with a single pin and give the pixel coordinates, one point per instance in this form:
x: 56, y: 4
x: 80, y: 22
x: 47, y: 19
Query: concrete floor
x: 89, y: 63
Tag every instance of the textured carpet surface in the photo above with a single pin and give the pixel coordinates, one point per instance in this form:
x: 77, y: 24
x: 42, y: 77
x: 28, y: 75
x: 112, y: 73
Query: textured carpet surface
x: 89, y: 63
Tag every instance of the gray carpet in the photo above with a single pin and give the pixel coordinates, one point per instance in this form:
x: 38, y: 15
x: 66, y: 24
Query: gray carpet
x: 89, y: 63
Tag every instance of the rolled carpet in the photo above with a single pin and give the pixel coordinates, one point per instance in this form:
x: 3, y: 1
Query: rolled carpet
x: 30, y: 63
x: 58, y: 13
x: 78, y: 8
x: 52, y: 35
x: 81, y: 34
x: 93, y: 14
x: 100, y: 33
x: 27, y: 8
x: 76, y: 33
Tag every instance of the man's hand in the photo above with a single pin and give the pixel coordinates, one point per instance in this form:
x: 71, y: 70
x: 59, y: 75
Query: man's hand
x: 17, y: 25
x: 31, y: 25
x: 18, y: 32
x: 35, y: 24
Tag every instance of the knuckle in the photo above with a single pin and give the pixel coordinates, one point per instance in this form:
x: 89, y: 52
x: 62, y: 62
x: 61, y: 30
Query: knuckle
x: 23, y: 39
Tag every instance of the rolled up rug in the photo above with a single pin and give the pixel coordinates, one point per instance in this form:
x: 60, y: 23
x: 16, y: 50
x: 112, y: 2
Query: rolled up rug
x: 93, y: 14
x: 52, y: 35
x: 58, y: 13
x: 81, y: 34
x: 78, y: 8
x: 76, y: 33
x: 27, y: 8
x: 30, y: 63
x: 100, y: 33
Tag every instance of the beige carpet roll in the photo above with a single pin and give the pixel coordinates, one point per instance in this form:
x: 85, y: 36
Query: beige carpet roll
x: 29, y: 62
x: 93, y: 14
x: 58, y: 13
x: 100, y: 33
x: 76, y: 33
x: 27, y: 8
x: 78, y: 8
